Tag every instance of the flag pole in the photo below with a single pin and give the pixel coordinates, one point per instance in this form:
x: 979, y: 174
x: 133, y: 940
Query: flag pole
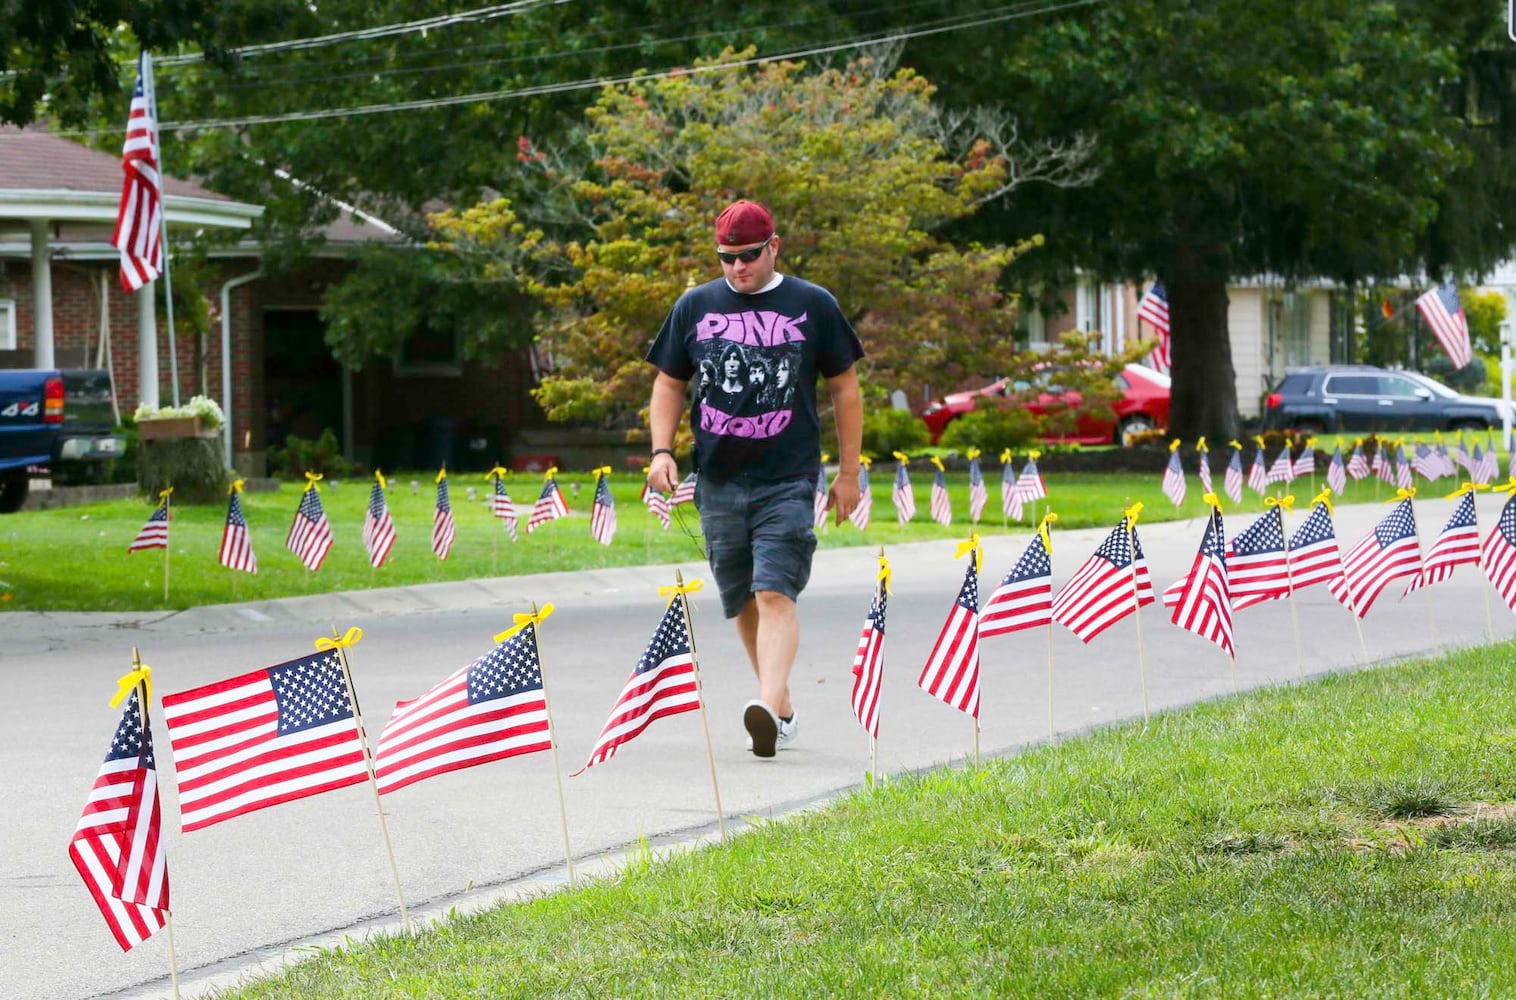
x: 552, y: 739
x: 1289, y: 578
x: 1421, y: 571
x: 168, y: 915
x: 1142, y: 663
x: 881, y: 591
x: 1052, y: 726
x: 168, y: 537
x: 342, y: 643
x: 150, y: 84
x: 705, y: 725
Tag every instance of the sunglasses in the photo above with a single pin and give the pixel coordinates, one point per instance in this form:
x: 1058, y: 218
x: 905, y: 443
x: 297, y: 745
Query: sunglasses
x: 746, y: 256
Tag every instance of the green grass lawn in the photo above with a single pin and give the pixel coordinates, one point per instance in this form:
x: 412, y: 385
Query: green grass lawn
x: 1347, y: 838
x: 75, y: 558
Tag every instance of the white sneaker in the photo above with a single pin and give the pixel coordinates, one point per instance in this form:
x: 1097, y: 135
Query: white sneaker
x: 762, y: 728
x: 787, y: 730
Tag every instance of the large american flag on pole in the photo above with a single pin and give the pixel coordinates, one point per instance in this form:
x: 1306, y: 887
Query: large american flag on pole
x: 868, y: 661
x: 154, y: 533
x: 1111, y: 584
x: 1444, y: 314
x: 942, y: 506
x: 378, y: 525
x: 1024, y: 598
x: 236, y: 544
x: 117, y: 845
x: 1154, y: 308
x: 1497, y: 557
x: 550, y: 504
x: 1202, y: 604
x: 663, y: 683
x: 444, y: 528
x: 951, y: 674
x: 1457, y: 545
x: 139, y: 217
x: 603, y: 509
x: 491, y: 709
x: 903, y: 495
x: 861, y: 513
x: 310, y: 534
x: 1386, y: 553
x: 270, y: 736
x: 978, y: 496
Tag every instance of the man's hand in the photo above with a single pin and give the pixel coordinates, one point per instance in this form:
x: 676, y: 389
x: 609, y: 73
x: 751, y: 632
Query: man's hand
x: 843, y: 496
x: 663, y: 473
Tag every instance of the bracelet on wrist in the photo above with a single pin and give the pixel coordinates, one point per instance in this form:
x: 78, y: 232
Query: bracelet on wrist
x: 662, y: 451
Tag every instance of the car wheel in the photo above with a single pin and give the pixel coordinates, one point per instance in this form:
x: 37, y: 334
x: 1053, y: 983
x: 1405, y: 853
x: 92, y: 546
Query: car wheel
x: 13, y: 487
x: 1138, y: 424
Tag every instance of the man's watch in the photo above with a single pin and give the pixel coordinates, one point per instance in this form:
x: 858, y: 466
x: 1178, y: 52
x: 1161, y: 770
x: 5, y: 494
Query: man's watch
x: 661, y: 451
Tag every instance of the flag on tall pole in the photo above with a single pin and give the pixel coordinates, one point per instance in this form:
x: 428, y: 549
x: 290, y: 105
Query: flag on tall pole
x: 1497, y: 556
x: 1024, y: 598
x: 1204, y: 466
x: 861, y: 513
x: 978, y: 496
x: 903, y: 496
x: 378, y: 525
x: 941, y: 507
x: 1173, y: 476
x: 951, y: 674
x: 1444, y: 314
x: 1112, y: 583
x: 310, y: 534
x: 154, y: 533
x: 550, y: 504
x: 117, y: 845
x: 139, y: 217
x: 1232, y: 481
x: 1154, y: 309
x: 868, y: 661
x: 236, y: 544
x: 1203, y: 602
x: 1457, y: 545
x: 444, y: 528
x: 1389, y: 551
x: 500, y: 502
x: 603, y: 509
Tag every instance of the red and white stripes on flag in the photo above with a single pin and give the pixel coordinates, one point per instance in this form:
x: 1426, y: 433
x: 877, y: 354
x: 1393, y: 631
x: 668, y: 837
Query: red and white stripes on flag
x: 657, y: 504
x: 603, y: 509
x: 1258, y: 476
x: 501, y: 505
x: 1203, y: 468
x: 819, y: 501
x: 685, y: 491
x: 1336, y: 472
x: 1232, y: 480
x: 1457, y: 545
x: 868, y: 661
x: 310, y: 534
x: 1009, y: 502
x: 1154, y: 308
x: 1305, y: 462
x: 903, y: 495
x: 951, y: 674
x: 1283, y: 470
x: 550, y: 504
x: 117, y: 845
x: 1203, y: 604
x: 444, y: 528
x: 378, y: 525
x: 1113, y: 583
x: 491, y: 709
x: 1497, y: 557
x: 154, y: 533
x: 978, y: 496
x: 1386, y: 553
x: 270, y: 736
x: 1028, y: 486
x: 1314, y: 556
x: 1444, y: 314
x: 1358, y: 466
x: 942, y: 506
x: 1173, y: 477
x: 1024, y: 598
x: 862, y: 512
x: 139, y: 217
x: 236, y: 544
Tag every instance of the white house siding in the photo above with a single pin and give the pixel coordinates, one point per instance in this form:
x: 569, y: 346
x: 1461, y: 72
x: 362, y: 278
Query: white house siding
x: 1249, y: 346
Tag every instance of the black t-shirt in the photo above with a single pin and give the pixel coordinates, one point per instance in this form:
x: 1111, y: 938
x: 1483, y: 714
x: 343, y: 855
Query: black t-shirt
x: 752, y: 361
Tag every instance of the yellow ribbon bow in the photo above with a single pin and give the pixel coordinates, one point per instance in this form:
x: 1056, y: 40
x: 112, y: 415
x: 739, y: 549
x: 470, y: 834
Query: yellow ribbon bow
x: 865, y: 461
x: 673, y: 590
x: 1402, y: 494
x: 1467, y: 487
x: 604, y: 470
x: 143, y: 674
x: 1005, y: 456
x: 522, y: 619
x: 498, y: 472
x: 1325, y: 496
x: 885, y: 575
x: 1235, y: 444
x: 1033, y: 455
x: 825, y: 458
x: 1042, y: 529
x: 552, y: 471
x: 442, y: 474
x: 1259, y: 439
x: 1509, y: 486
x: 165, y: 494
x: 1213, y: 500
x: 384, y: 484
x: 311, y: 479
x: 938, y: 463
x: 1310, y: 444
x: 972, y: 545
x: 972, y: 454
x: 347, y: 640
x: 1200, y: 445
x: 1438, y: 436
x: 1173, y: 446
x: 235, y: 487
x: 902, y: 458
x: 1287, y: 502
x: 1129, y: 515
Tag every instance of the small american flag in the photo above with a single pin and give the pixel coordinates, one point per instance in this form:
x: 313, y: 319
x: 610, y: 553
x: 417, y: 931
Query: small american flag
x: 310, y: 534
x: 1103, y: 591
x: 1386, y: 553
x: 1029, y: 485
x: 978, y: 495
x: 139, y: 217
x: 270, y: 736
x: 1203, y: 604
x: 1173, y: 478
x: 1358, y: 466
x: 663, y: 683
x: 1010, y: 503
x: 819, y: 499
x: 603, y: 511
x: 1283, y: 470
x: 1511, y: 464
x: 861, y: 513
x: 1203, y: 468
x: 444, y: 528
x: 1024, y: 598
x: 1232, y: 481
x: 236, y: 544
x: 1384, y: 464
x: 1403, y: 477
x: 1449, y: 467
x: 1497, y: 557
x: 1464, y: 460
x: 903, y: 496
x: 1258, y: 476
x: 117, y: 845
x: 378, y: 525
x: 1154, y: 308
x: 489, y: 710
x: 868, y: 664
x: 1458, y: 544
x: 1337, y: 477
x: 658, y: 505
x: 942, y: 507
x: 1305, y: 462
x: 685, y: 491
x: 1256, y: 567
x: 550, y: 504
x: 154, y: 534
x: 1314, y: 556
x: 951, y: 674
x: 1485, y: 466
x: 1444, y: 314
x: 502, y: 506
x: 1426, y: 463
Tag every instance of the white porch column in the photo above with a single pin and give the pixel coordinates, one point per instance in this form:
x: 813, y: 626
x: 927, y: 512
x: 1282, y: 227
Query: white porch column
x: 147, y: 345
x: 42, y: 296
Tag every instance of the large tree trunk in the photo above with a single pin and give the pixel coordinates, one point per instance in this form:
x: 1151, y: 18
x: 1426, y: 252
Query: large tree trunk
x: 1204, y: 397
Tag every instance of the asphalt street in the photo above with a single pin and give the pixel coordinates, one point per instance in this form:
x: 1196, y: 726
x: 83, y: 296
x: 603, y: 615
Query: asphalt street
x: 262, y: 884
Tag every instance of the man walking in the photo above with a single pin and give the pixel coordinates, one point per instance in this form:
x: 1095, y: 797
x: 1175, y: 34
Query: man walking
x: 758, y: 455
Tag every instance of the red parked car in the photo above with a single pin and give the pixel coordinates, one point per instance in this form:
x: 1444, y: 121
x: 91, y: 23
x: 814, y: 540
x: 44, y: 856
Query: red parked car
x: 1143, y: 406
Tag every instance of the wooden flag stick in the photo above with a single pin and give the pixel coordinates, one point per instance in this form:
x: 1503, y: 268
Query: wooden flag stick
x: 976, y: 742
x: 1431, y: 615
x: 1142, y: 662
x: 873, y: 762
x: 705, y: 725
x: 1236, y: 687
x: 1489, y: 620
x: 552, y: 739
x: 168, y: 504
x: 341, y: 644
x: 168, y: 915
x: 1052, y: 725
x: 1289, y: 578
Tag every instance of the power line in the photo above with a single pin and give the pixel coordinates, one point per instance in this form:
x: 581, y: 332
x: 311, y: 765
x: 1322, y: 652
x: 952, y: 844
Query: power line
x: 1020, y: 11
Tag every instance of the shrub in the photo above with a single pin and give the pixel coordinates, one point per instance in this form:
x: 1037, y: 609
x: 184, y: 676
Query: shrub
x: 301, y: 455
x: 891, y: 430
x: 1469, y: 378
x: 990, y: 429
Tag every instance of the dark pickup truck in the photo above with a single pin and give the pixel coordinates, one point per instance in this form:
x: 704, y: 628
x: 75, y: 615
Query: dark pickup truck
x: 49, y: 418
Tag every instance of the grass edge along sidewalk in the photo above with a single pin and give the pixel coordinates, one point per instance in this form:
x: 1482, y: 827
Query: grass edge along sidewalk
x: 1347, y: 837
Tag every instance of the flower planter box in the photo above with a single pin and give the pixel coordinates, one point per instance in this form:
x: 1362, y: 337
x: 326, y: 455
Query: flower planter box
x: 164, y: 428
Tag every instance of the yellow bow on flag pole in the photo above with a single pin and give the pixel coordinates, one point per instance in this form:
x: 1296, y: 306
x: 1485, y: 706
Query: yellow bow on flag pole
x: 1325, y: 496
x: 347, y: 640
x: 972, y: 545
x: 1042, y: 529
x: 673, y: 590
x: 142, y: 674
x: 1467, y: 487
x: 523, y: 619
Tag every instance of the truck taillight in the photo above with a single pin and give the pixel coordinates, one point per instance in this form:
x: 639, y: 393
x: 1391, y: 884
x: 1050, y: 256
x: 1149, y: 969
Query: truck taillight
x: 52, y: 401
x: 1272, y: 400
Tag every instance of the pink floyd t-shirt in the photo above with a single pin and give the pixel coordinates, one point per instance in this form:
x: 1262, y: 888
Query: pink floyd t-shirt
x: 752, y: 362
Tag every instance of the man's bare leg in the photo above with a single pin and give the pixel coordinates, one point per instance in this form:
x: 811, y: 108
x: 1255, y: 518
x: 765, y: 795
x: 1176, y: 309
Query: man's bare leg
x: 770, y: 630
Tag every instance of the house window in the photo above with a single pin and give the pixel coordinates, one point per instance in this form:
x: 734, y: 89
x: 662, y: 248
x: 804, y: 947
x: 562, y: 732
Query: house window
x: 7, y: 325
x: 431, y: 353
